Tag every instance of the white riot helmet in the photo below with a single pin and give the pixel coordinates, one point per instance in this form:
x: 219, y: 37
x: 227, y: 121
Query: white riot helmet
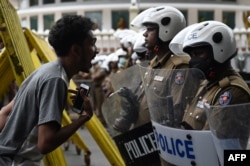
x: 169, y: 20
x: 137, y: 21
x: 216, y: 34
x: 176, y: 44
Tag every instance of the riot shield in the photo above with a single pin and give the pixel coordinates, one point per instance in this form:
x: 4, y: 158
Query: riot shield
x: 168, y: 93
x: 230, y: 127
x: 137, y: 145
x: 114, y: 105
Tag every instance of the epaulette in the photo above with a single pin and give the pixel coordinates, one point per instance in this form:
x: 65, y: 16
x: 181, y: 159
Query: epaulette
x: 180, y: 60
x: 231, y: 81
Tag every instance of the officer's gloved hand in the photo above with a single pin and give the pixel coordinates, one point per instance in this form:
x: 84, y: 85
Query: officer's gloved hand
x: 130, y: 108
x: 128, y: 94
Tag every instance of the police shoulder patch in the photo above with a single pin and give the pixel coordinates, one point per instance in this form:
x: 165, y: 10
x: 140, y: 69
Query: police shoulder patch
x: 179, y: 78
x: 225, y: 98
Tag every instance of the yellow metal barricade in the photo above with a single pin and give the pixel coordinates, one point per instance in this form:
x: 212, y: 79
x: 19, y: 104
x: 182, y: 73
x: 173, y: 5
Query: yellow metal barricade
x: 24, y: 52
x: 16, y: 62
x: 14, y: 41
x: 6, y: 73
x: 55, y: 158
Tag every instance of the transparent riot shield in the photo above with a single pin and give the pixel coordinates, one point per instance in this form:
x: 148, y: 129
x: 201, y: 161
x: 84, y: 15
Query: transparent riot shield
x: 230, y: 127
x: 168, y: 93
x: 122, y: 100
x: 136, y: 144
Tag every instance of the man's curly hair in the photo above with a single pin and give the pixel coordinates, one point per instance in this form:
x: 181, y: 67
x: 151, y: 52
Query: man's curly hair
x: 70, y: 29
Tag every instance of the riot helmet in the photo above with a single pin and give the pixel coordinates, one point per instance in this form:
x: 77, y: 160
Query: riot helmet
x: 168, y: 19
x: 215, y: 45
x: 215, y: 34
x: 176, y: 44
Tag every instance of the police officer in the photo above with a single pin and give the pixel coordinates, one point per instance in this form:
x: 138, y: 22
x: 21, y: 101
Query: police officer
x: 161, y: 25
x: 98, y: 74
x: 211, y: 45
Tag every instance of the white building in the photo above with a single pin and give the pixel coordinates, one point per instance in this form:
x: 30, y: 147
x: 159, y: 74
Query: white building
x: 39, y: 15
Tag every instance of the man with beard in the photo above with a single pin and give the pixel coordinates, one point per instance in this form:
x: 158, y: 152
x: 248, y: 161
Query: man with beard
x: 31, y: 124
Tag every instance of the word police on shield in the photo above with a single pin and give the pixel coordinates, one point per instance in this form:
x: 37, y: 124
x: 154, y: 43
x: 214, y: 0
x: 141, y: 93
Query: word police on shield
x: 236, y: 157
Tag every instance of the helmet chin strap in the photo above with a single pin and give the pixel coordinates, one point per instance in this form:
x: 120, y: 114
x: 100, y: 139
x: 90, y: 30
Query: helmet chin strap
x: 211, y: 74
x: 214, y: 72
x: 156, y: 48
x: 158, y: 44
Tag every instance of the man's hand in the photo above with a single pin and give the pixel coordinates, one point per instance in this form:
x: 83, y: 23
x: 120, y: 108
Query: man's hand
x: 86, y: 105
x: 73, y: 94
x: 86, y: 102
